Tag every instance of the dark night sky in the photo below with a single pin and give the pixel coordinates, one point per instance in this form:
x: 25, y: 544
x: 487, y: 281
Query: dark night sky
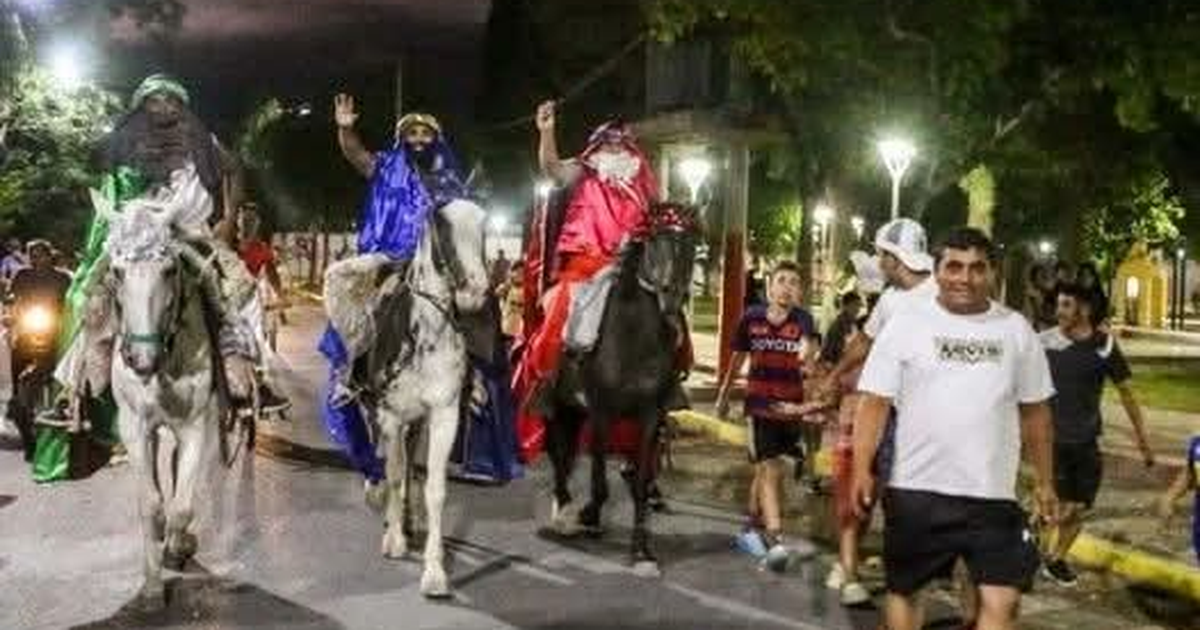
x: 233, y: 52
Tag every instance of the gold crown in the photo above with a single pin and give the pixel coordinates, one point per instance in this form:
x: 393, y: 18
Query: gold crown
x: 408, y: 121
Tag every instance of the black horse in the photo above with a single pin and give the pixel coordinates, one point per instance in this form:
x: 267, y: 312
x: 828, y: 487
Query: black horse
x: 632, y: 372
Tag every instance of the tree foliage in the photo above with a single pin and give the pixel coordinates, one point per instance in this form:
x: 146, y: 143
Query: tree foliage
x: 1033, y: 89
x: 1144, y: 212
x: 295, y: 170
x: 48, y: 168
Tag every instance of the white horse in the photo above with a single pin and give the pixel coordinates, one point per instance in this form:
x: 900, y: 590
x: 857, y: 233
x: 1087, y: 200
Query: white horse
x: 447, y: 277
x: 164, y: 379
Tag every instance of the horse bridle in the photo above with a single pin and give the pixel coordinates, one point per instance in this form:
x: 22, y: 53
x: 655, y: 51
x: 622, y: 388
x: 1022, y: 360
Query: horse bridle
x: 165, y: 338
x: 442, y: 259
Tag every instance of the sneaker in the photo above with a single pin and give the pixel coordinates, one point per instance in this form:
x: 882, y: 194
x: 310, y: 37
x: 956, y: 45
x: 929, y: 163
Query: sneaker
x: 854, y: 594
x: 750, y: 542
x: 1060, y: 572
x: 836, y: 578
x: 777, y: 558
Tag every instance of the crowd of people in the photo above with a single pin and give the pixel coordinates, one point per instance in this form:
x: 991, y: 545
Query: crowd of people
x: 936, y: 391
x: 934, y: 395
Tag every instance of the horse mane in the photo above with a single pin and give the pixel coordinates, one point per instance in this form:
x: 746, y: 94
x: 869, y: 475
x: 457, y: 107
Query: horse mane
x: 629, y: 260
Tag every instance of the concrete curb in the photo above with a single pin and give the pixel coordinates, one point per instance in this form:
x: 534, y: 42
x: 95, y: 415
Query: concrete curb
x: 1097, y: 553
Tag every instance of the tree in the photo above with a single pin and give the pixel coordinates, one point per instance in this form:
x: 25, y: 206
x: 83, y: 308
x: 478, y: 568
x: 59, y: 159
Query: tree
x: 47, y: 131
x: 969, y: 79
x: 1146, y: 212
x: 51, y: 132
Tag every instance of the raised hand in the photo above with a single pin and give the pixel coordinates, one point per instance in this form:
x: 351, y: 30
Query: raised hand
x: 343, y: 110
x: 545, y: 116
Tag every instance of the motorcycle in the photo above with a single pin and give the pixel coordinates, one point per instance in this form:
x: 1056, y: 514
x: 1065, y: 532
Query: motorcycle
x: 34, y: 335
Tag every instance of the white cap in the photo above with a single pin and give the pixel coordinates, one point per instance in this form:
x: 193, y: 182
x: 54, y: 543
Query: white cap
x: 905, y: 239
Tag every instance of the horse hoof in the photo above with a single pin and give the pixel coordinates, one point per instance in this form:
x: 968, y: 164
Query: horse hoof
x: 394, y: 545
x: 647, y: 569
x: 180, y: 550
x: 151, y: 597
x: 591, y: 531
x: 434, y: 584
x: 375, y: 494
x: 565, y: 519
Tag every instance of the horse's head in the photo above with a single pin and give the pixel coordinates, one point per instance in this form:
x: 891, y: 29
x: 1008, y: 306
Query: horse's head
x: 669, y: 253
x: 146, y: 277
x: 459, y: 252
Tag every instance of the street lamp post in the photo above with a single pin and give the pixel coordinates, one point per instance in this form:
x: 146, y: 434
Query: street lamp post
x: 897, y: 155
x: 823, y: 215
x: 695, y: 171
x: 859, y: 225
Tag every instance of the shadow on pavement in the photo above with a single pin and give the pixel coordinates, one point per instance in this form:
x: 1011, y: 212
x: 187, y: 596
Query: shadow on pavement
x: 207, y: 601
x: 1165, y: 608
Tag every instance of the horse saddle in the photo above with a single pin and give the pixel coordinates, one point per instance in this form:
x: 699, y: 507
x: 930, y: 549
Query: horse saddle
x: 395, y: 337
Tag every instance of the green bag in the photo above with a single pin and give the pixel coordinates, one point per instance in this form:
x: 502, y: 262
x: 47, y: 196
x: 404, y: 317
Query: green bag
x: 52, y: 455
x: 61, y: 453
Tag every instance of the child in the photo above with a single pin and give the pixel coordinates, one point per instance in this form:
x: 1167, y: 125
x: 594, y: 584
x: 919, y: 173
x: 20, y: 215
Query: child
x: 777, y: 339
x: 1188, y: 479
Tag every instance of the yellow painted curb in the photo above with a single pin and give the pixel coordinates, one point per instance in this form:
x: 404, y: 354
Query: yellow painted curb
x: 1137, y: 566
x: 315, y: 297
x: 1133, y: 565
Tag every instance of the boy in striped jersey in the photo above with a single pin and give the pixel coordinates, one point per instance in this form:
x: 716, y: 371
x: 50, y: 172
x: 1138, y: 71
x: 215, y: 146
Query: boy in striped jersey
x: 778, y: 339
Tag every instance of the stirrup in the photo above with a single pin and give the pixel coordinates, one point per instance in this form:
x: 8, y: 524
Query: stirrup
x: 343, y: 395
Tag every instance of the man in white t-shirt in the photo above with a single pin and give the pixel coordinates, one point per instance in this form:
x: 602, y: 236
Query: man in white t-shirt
x: 907, y: 266
x: 970, y: 384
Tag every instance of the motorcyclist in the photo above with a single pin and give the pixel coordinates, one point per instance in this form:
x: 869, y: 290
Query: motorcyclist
x: 36, y: 296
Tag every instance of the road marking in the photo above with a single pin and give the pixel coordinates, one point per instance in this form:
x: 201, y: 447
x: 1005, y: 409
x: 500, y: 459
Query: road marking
x: 476, y: 555
x: 739, y: 609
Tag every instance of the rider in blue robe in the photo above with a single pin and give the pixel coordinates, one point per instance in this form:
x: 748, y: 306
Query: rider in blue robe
x: 418, y: 175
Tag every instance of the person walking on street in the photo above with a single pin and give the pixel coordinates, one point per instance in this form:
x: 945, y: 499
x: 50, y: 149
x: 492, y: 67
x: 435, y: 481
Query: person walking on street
x: 778, y: 340
x: 907, y: 268
x: 1188, y: 480
x: 1081, y: 359
x: 971, y: 386
x: 906, y: 265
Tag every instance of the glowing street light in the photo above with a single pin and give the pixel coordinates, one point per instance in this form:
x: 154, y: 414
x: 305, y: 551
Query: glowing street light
x: 859, y: 225
x: 897, y: 154
x: 66, y: 65
x: 695, y: 170
x: 498, y: 223
x: 823, y: 215
x: 1046, y: 247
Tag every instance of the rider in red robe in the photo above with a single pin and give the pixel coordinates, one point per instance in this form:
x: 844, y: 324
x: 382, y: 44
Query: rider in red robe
x: 610, y: 188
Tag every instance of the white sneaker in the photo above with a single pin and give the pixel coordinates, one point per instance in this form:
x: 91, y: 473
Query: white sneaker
x: 854, y: 594
x: 836, y: 578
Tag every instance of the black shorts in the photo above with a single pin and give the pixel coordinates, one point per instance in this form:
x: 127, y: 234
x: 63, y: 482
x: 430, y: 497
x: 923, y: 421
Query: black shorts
x: 1078, y: 469
x: 774, y: 438
x: 925, y: 533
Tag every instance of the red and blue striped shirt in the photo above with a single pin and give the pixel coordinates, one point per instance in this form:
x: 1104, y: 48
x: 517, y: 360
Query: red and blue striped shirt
x: 776, y: 357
